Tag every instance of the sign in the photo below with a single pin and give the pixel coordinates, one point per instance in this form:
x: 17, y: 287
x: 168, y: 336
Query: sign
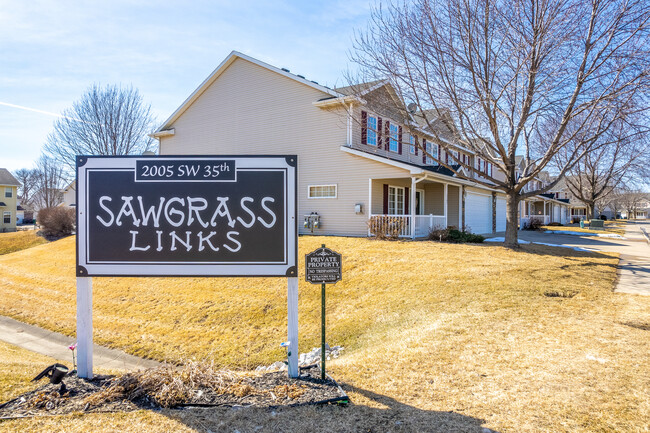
x: 323, y: 266
x: 186, y: 216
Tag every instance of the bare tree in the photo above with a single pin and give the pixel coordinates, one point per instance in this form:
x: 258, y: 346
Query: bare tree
x: 50, y: 180
x: 28, y: 178
x: 623, y: 152
x: 631, y: 200
x: 514, y: 76
x: 108, y: 120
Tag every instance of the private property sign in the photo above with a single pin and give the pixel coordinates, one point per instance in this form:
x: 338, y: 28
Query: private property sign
x: 186, y: 216
x: 323, y: 266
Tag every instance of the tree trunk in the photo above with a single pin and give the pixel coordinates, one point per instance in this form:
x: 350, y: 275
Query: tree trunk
x: 590, y: 210
x: 512, y: 220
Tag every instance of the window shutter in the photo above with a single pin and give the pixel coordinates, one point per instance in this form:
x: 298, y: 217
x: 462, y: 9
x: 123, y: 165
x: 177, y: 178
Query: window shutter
x: 424, y: 150
x: 399, y: 140
x: 385, y: 208
x: 407, y: 196
x: 415, y: 139
x: 364, y: 127
x: 379, y: 134
x: 387, y: 141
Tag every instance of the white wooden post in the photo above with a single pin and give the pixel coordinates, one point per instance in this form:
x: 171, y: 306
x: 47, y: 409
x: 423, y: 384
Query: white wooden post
x: 85, y: 327
x: 446, y: 191
x: 292, y: 326
x: 413, y: 186
x: 369, y: 207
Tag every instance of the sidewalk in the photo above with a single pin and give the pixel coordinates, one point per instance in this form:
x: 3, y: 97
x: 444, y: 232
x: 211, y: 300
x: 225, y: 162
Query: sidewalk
x: 56, y: 345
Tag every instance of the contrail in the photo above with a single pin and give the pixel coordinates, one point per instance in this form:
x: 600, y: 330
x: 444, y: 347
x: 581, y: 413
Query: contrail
x: 38, y: 111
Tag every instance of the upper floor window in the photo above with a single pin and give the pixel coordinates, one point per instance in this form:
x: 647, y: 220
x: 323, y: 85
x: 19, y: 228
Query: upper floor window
x: 412, y: 144
x: 432, y: 152
x: 321, y: 191
x: 9, y: 192
x: 393, y: 143
x: 372, y: 131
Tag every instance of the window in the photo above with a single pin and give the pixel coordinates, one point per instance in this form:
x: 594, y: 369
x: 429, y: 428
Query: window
x: 412, y: 144
x: 455, y: 158
x: 321, y: 191
x: 395, y: 200
x: 9, y: 192
x: 393, y: 143
x: 432, y: 152
x: 6, y: 216
x: 372, y: 131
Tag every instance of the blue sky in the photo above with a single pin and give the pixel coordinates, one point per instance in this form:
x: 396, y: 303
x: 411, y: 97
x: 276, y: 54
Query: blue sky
x: 51, y: 51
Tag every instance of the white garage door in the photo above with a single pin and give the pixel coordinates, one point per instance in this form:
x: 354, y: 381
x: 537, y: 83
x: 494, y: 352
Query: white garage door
x: 565, y: 215
x: 478, y: 212
x: 501, y: 214
x: 556, y: 214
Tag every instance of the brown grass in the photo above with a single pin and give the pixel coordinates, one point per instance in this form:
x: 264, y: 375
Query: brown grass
x: 438, y: 337
x: 16, y: 241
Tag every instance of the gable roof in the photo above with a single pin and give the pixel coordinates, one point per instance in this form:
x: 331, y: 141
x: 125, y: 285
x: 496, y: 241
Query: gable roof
x: 6, y: 178
x: 234, y: 55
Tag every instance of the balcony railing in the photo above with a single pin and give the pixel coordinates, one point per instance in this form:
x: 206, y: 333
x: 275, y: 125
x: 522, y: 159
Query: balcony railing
x: 402, y: 227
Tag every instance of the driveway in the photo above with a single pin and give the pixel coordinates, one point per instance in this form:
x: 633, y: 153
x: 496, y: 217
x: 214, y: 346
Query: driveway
x: 634, y: 250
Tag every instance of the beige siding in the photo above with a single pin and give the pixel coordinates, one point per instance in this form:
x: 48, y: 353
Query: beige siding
x: 434, y: 199
x: 453, y: 196
x: 251, y: 110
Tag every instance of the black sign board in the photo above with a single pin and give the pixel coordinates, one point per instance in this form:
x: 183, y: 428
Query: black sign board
x: 187, y: 216
x: 323, y: 266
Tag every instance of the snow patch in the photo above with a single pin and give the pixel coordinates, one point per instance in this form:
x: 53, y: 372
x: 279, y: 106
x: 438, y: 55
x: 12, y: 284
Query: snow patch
x: 598, y: 235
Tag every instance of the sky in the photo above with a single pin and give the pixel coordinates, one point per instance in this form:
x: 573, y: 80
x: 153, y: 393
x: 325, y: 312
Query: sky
x: 52, y: 51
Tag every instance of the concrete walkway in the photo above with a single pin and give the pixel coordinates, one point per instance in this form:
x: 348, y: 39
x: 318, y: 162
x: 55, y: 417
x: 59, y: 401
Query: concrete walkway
x: 634, y: 250
x: 56, y: 345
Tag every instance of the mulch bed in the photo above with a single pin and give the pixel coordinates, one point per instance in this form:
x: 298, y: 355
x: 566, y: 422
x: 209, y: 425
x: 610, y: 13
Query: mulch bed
x: 131, y: 392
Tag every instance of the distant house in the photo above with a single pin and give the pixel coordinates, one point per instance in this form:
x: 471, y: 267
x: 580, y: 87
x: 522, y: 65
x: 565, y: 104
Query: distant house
x: 69, y: 195
x: 8, y: 200
x: 359, y: 158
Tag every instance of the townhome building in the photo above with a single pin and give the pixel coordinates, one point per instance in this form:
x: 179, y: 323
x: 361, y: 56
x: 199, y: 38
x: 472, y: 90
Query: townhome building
x: 360, y: 150
x: 8, y: 200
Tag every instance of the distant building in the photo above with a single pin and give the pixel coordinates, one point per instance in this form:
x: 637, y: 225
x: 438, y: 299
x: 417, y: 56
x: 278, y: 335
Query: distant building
x: 69, y: 195
x: 8, y: 200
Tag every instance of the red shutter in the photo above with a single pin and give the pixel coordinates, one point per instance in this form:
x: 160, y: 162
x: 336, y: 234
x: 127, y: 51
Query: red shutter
x: 415, y: 140
x: 399, y: 140
x: 439, y: 153
x: 407, y: 210
x: 387, y: 129
x: 385, y: 199
x: 364, y: 127
x: 424, y: 150
x: 379, y: 134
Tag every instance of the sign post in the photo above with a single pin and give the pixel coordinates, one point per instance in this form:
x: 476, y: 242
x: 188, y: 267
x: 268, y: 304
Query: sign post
x: 323, y: 266
x: 207, y: 216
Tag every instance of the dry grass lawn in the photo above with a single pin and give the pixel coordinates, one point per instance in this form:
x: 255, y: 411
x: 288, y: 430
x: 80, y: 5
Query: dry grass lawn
x: 438, y: 337
x: 16, y: 241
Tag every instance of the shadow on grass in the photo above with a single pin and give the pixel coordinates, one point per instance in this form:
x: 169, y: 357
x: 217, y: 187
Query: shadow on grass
x: 392, y: 416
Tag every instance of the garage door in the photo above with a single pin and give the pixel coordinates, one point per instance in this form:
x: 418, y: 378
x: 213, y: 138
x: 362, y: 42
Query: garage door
x: 478, y: 212
x: 501, y: 214
x: 556, y: 214
x: 565, y: 215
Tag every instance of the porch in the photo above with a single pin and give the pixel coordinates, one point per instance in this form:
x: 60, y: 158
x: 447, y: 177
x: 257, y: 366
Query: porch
x: 412, y: 207
x: 545, y: 211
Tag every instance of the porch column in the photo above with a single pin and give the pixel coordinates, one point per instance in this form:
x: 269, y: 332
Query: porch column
x: 369, y: 207
x: 413, y: 186
x: 446, y: 192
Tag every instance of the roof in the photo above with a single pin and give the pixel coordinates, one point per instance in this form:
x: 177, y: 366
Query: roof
x: 19, y: 207
x: 234, y: 55
x: 359, y: 89
x: 6, y: 178
x: 2, y: 204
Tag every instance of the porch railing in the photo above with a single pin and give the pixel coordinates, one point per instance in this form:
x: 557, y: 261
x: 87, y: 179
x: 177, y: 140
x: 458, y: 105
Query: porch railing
x: 401, y: 224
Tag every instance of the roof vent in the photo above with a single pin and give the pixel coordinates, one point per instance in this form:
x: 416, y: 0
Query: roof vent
x: 315, y: 82
x: 412, y: 107
x: 301, y: 76
x: 286, y: 70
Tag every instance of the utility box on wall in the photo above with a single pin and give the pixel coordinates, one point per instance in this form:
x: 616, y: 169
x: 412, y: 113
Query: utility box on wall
x: 312, y: 221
